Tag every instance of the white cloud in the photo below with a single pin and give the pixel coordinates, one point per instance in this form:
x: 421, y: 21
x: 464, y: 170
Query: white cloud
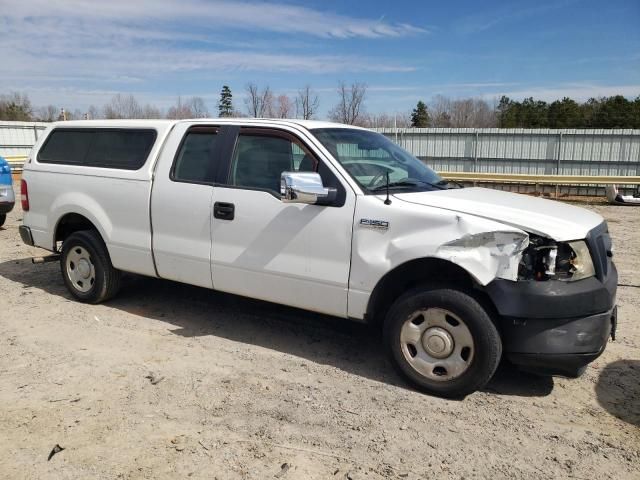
x: 253, y: 16
x: 117, y: 44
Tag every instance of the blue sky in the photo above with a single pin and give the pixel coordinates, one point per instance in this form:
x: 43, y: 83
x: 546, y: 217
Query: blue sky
x: 73, y: 53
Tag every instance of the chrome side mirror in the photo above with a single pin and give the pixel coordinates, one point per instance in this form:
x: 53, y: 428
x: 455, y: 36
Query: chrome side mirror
x: 304, y: 187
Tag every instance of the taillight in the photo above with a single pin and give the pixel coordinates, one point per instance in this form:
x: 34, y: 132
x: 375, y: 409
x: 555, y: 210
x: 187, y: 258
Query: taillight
x: 24, y: 194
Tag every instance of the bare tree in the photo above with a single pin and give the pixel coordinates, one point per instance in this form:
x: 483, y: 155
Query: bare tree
x: 267, y: 104
x: 259, y: 104
x: 386, y: 120
x: 48, y: 113
x: 403, y: 120
x: 122, y: 106
x: 350, y: 106
x: 179, y: 111
x: 76, y: 114
x: 462, y: 113
x: 307, y: 103
x: 284, y: 106
x: 150, y: 111
x: 440, y: 111
x: 253, y: 100
x: 198, y: 107
x: 381, y: 120
x: 93, y: 112
x: 485, y: 114
x: 190, y: 107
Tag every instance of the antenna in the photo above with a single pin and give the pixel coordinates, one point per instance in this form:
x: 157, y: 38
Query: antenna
x: 387, y: 200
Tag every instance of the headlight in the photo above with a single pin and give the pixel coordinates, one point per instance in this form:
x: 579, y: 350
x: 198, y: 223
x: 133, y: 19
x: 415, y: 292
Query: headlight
x: 580, y: 260
x: 545, y: 259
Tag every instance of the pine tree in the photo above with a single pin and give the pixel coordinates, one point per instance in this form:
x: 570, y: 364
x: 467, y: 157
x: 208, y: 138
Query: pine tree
x: 225, y: 105
x: 565, y: 113
x: 420, y: 116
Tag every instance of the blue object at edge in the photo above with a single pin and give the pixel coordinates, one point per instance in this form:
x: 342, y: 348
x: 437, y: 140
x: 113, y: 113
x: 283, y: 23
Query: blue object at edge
x: 5, y: 172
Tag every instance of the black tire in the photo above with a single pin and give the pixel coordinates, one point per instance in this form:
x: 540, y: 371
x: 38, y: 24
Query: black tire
x: 106, y: 281
x: 487, y: 345
x: 3, y: 218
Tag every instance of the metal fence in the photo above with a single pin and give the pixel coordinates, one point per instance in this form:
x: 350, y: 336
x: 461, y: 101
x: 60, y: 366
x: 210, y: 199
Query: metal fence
x: 525, y: 151
x: 543, y: 152
x: 17, y: 138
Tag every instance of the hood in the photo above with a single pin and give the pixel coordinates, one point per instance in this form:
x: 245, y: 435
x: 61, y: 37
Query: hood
x: 555, y: 220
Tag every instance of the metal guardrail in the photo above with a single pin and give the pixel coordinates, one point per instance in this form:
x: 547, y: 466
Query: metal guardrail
x: 542, y: 179
x: 16, y: 162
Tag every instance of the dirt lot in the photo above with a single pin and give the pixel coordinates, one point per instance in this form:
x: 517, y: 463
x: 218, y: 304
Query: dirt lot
x: 243, y: 389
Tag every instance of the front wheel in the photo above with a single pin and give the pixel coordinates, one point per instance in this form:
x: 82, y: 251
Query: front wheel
x: 86, y: 268
x: 442, y: 341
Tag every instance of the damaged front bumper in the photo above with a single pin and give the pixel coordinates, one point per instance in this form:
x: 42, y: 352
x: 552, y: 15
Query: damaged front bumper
x: 559, y: 346
x: 555, y: 327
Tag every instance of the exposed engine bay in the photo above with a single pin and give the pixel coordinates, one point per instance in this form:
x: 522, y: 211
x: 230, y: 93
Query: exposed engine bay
x: 545, y: 259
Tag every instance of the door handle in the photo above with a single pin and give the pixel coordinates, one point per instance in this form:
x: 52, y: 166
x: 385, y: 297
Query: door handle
x: 224, y: 211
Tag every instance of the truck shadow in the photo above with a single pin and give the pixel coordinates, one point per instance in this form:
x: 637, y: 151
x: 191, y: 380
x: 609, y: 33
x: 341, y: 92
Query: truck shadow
x: 195, y: 311
x: 618, y: 390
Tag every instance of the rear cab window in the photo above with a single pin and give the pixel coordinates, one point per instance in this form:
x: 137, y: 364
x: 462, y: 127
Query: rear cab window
x: 125, y: 149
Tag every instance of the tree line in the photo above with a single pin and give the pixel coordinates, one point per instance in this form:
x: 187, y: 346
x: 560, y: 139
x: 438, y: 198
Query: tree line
x: 18, y: 107
x: 606, y: 112
x: 350, y: 108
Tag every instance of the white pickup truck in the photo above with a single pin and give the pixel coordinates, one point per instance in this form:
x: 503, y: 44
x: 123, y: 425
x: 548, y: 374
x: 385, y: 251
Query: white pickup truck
x: 334, y: 219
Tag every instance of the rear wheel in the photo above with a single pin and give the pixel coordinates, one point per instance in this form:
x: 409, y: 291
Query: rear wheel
x: 3, y: 218
x: 86, y: 268
x: 442, y: 341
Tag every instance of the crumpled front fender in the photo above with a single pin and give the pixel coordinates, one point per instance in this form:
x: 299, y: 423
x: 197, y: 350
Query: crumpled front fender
x: 487, y: 255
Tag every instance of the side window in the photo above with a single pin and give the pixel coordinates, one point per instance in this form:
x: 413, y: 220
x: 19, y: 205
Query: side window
x: 106, y: 148
x: 124, y: 149
x: 260, y: 158
x: 302, y: 160
x: 196, y: 161
x: 66, y: 146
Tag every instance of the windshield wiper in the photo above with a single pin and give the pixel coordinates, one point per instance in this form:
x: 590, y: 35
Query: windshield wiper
x: 450, y: 182
x: 404, y: 183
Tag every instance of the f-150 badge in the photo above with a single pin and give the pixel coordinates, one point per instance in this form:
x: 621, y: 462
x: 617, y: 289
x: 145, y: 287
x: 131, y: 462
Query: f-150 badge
x: 368, y: 222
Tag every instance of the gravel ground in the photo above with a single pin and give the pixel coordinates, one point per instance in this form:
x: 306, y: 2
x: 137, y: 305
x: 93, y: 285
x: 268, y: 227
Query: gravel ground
x: 169, y: 381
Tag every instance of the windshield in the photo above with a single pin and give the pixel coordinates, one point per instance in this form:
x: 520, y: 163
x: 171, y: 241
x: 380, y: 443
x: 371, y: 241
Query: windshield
x: 369, y: 157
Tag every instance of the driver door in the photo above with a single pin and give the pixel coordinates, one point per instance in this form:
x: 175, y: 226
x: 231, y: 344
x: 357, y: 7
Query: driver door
x: 288, y: 253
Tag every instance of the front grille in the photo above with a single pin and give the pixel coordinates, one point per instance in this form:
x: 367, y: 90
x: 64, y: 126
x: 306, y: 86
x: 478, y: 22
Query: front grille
x: 599, y: 242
